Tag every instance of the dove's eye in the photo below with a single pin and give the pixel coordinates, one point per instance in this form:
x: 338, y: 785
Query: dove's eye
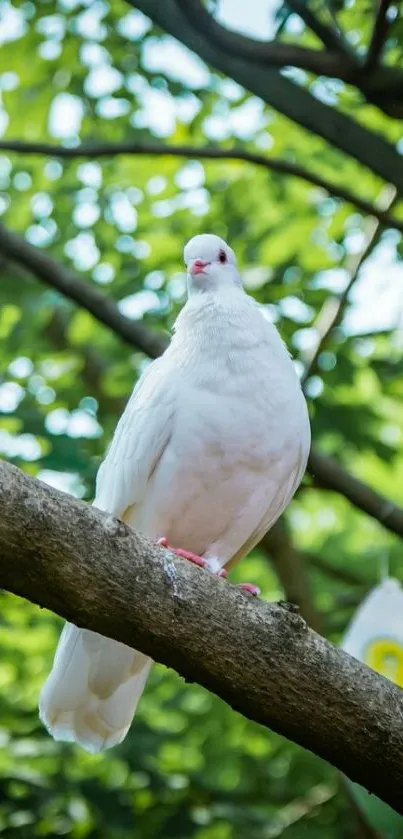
x: 222, y: 257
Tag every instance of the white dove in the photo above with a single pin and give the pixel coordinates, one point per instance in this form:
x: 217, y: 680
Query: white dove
x: 208, y: 453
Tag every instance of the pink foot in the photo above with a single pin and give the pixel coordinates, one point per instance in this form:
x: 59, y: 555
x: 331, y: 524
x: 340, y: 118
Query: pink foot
x: 250, y: 588
x: 197, y: 560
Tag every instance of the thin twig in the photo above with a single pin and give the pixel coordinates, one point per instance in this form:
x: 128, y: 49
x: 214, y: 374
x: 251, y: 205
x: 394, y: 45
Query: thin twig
x: 291, y: 570
x: 330, y: 36
x: 298, y: 809
x: 327, y: 472
x: 379, y: 35
x: 283, y: 167
x: 366, y: 829
x: 336, y: 572
x: 333, y: 309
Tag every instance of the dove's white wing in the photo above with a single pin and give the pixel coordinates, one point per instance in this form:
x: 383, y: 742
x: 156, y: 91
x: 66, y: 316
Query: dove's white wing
x: 141, y: 436
x: 95, y: 684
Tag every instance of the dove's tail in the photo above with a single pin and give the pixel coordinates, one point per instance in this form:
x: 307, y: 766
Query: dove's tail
x: 93, y: 689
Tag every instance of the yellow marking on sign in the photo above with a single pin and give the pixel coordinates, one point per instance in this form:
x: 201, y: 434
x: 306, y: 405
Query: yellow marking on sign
x: 386, y: 657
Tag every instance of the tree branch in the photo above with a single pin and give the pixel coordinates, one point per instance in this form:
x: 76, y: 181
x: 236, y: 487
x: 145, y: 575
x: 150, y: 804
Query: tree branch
x: 383, y: 88
x: 379, y: 35
x: 271, y: 53
x: 325, y: 470
x: 283, y: 167
x: 333, y: 309
x: 294, y: 101
x: 329, y: 474
x: 300, y: 808
x: 104, y: 309
x: 290, y: 567
x: 330, y: 36
x: 337, y: 572
x: 95, y: 571
x: 366, y: 831
x: 94, y: 366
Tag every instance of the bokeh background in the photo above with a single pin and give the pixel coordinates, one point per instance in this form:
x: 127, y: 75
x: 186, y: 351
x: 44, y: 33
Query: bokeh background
x: 73, y: 71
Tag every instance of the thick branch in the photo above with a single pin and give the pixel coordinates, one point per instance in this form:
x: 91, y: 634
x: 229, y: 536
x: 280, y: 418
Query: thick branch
x: 382, y: 87
x: 96, y: 572
x: 295, y: 102
x: 56, y: 275
x: 283, y: 167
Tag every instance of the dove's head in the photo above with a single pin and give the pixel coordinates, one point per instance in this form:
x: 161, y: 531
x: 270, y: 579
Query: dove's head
x: 211, y: 264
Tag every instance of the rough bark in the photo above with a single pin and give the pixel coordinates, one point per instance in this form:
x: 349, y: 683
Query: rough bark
x: 262, y: 659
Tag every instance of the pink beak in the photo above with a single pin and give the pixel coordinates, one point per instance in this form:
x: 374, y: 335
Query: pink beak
x: 198, y: 267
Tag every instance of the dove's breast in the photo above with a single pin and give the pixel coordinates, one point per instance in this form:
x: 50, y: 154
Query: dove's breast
x: 237, y: 447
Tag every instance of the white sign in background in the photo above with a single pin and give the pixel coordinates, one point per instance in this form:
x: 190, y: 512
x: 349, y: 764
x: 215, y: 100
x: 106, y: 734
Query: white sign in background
x: 375, y: 637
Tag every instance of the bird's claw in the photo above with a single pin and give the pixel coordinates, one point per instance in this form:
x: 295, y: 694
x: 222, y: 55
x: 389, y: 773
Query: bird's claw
x: 197, y: 560
x: 203, y: 563
x: 190, y: 556
x: 250, y: 589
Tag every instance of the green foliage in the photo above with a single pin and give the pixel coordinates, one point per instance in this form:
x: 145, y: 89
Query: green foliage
x: 74, y: 71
